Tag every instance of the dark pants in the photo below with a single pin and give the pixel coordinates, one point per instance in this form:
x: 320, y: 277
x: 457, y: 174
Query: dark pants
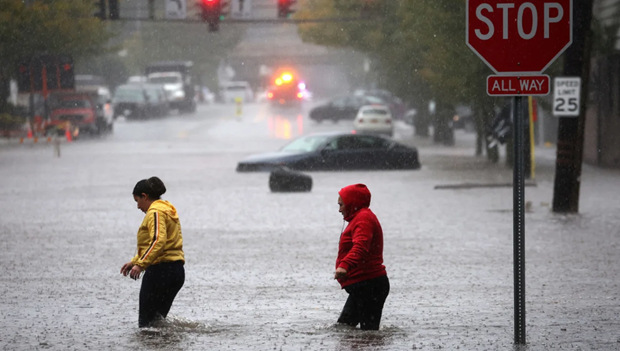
x: 365, y: 303
x: 160, y: 285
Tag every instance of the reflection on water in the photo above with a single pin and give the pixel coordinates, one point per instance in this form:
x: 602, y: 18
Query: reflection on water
x: 281, y: 127
x: 350, y: 338
x: 170, y: 333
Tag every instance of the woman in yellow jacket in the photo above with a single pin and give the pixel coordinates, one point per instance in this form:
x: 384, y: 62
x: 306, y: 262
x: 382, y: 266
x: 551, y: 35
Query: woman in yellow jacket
x: 160, y: 252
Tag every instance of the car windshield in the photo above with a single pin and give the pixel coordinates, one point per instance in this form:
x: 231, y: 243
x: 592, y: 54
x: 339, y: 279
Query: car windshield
x: 133, y: 95
x: 236, y: 88
x: 164, y: 80
x: 74, y: 104
x: 305, y: 144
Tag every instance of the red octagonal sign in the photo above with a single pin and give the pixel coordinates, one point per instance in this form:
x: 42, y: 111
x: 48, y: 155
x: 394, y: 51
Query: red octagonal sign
x: 518, y: 37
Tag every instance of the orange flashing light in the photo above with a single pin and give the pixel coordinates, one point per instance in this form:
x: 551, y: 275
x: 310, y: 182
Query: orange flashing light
x: 287, y: 77
x: 279, y: 81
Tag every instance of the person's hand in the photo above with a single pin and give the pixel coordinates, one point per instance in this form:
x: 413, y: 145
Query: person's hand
x: 126, y: 268
x: 135, y: 272
x: 340, y: 273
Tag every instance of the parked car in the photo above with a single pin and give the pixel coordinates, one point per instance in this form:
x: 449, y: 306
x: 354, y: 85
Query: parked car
x: 335, y: 151
x: 76, y: 109
x: 342, y: 108
x: 132, y: 101
x: 374, y: 119
x: 396, y: 105
x: 231, y: 91
x: 137, y: 80
x: 102, y: 97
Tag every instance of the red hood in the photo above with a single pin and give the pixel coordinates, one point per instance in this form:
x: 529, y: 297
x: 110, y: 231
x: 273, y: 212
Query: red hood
x: 355, y: 197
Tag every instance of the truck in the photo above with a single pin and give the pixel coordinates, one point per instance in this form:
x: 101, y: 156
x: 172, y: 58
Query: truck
x: 101, y: 96
x: 73, y: 110
x: 177, y: 79
x: 287, y: 90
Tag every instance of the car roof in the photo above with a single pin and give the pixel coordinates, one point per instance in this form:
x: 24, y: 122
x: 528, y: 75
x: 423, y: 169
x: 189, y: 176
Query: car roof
x: 165, y: 74
x: 130, y: 87
x: 335, y: 134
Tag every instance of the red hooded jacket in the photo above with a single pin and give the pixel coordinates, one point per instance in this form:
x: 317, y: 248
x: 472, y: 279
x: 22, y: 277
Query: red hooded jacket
x: 360, y: 251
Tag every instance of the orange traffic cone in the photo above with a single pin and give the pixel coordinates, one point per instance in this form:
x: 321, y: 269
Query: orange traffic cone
x: 68, y: 133
x: 29, y: 132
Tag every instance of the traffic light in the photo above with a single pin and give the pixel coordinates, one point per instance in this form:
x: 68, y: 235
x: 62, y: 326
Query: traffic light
x: 211, y: 12
x: 23, y: 76
x: 101, y: 10
x: 284, y: 8
x: 66, y: 74
x: 115, y: 11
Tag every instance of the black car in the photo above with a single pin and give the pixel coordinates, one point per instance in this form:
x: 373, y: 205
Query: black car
x: 343, y: 108
x: 132, y: 101
x: 335, y: 152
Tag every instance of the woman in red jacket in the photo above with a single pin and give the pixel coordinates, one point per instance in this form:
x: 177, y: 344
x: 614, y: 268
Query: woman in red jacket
x: 359, y: 266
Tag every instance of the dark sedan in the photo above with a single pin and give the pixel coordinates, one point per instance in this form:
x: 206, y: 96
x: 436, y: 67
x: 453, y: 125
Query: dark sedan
x: 335, y: 152
x: 342, y: 108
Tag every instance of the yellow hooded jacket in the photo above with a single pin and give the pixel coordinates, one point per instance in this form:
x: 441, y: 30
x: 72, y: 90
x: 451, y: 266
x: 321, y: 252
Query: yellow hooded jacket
x: 159, y: 237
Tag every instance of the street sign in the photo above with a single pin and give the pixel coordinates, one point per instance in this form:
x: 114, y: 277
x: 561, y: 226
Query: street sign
x: 176, y: 9
x: 566, y: 96
x: 519, y: 37
x: 45, y: 73
x: 518, y: 86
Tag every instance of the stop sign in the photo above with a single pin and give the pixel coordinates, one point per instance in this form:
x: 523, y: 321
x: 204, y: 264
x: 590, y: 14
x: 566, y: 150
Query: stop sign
x: 517, y: 36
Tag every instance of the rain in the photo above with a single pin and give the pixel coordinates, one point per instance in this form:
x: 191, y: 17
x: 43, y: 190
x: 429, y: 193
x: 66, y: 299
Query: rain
x: 255, y: 114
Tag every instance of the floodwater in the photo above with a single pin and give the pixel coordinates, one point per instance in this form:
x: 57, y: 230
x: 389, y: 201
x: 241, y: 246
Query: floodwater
x: 260, y: 265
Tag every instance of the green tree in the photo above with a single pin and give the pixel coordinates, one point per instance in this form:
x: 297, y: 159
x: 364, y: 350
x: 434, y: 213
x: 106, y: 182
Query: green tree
x: 418, y: 47
x: 46, y: 26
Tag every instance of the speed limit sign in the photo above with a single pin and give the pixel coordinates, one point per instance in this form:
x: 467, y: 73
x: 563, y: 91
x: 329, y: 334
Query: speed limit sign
x: 566, y: 96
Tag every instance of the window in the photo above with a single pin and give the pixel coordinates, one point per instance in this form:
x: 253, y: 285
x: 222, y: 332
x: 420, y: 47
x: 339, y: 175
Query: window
x: 341, y: 102
x: 358, y: 142
x: 375, y: 111
x: 305, y: 144
x: 74, y: 104
x: 165, y: 80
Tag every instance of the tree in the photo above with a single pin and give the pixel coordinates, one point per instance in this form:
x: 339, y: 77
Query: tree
x: 46, y: 26
x: 419, y: 48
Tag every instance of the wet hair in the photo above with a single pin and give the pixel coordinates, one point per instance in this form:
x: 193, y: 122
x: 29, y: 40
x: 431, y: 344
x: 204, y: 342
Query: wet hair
x: 153, y: 187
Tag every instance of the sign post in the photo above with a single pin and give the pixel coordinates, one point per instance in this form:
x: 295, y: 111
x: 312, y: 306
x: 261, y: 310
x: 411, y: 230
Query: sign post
x: 519, y: 40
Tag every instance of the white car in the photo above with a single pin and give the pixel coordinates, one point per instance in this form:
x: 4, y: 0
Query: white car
x: 374, y: 119
x: 231, y: 91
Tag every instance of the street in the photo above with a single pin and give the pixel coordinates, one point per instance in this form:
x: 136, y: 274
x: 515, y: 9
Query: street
x: 259, y: 265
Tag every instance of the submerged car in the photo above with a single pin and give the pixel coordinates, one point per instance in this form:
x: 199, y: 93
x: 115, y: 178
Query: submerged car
x: 335, y: 152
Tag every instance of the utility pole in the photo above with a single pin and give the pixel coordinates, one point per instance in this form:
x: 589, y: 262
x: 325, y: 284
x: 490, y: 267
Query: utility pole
x: 571, y: 130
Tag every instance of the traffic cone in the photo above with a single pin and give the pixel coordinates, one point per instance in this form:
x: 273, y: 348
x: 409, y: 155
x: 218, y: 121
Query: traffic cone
x: 68, y: 133
x: 29, y: 132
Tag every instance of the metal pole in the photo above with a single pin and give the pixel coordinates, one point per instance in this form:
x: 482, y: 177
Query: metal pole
x: 519, y: 220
